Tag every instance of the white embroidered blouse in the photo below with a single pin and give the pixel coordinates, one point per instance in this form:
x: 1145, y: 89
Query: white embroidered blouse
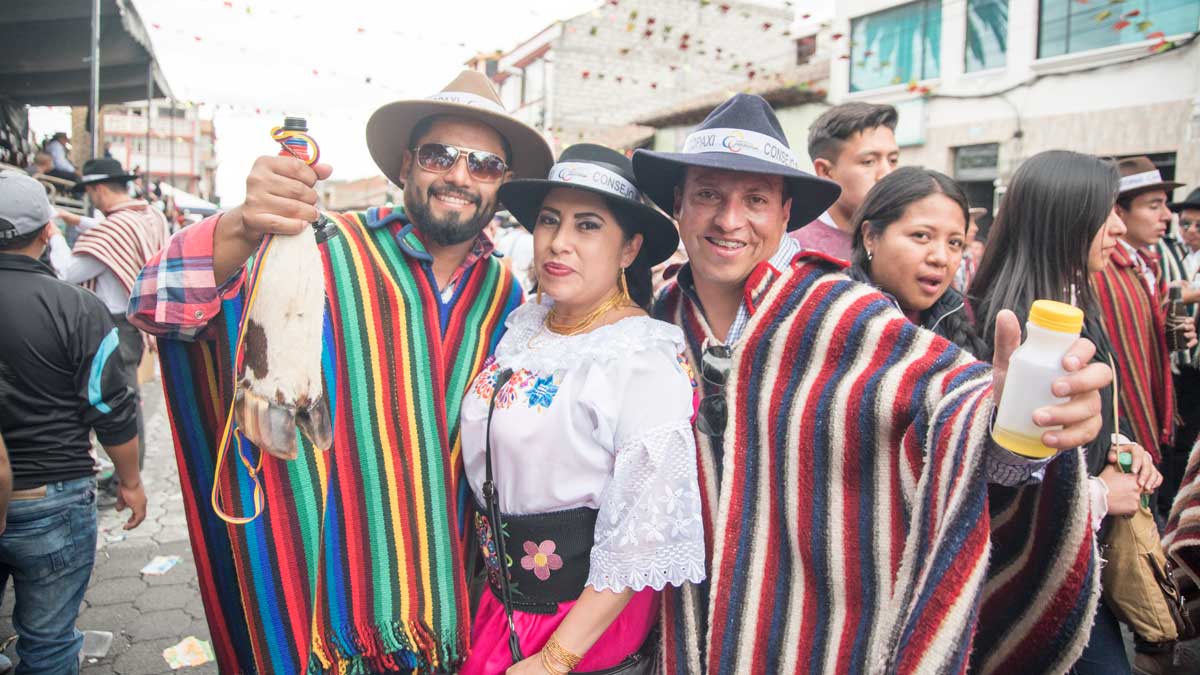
x: 598, y: 420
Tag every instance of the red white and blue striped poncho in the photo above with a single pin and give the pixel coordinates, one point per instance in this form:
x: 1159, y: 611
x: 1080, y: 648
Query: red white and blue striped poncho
x: 846, y: 513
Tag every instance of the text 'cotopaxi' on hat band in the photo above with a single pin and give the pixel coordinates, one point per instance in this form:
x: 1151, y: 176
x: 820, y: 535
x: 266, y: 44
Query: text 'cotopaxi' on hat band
x: 740, y: 142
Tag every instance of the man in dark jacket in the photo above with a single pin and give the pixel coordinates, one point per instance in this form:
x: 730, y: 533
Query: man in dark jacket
x: 63, y: 375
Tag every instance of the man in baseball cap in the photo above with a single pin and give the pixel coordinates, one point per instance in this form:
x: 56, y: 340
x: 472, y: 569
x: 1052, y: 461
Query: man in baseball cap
x: 63, y: 379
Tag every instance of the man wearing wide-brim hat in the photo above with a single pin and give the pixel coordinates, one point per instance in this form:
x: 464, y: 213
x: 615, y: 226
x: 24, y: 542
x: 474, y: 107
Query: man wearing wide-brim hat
x: 843, y: 451
x: 1132, y: 292
x: 357, y: 563
x: 1188, y: 212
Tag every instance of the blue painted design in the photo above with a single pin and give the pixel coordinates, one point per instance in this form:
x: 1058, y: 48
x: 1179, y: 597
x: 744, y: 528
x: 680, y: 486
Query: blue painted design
x: 107, y: 346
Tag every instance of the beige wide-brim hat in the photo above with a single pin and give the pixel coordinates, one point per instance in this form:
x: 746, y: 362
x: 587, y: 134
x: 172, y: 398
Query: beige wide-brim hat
x: 470, y: 95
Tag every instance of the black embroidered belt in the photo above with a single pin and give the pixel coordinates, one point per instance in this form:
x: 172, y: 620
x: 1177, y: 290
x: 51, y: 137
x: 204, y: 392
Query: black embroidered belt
x: 548, y: 556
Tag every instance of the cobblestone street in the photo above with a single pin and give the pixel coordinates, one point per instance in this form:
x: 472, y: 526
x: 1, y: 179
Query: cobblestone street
x: 146, y: 614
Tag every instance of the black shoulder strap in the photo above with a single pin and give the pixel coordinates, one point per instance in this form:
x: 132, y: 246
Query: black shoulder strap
x: 492, y: 500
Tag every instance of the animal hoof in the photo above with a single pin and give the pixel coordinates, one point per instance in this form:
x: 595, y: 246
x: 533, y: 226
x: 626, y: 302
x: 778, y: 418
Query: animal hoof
x: 268, y: 425
x: 315, y: 422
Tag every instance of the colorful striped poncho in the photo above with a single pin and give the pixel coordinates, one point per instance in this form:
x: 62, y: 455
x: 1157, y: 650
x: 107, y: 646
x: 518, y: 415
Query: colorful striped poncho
x: 356, y: 565
x: 1135, y: 322
x: 846, y: 510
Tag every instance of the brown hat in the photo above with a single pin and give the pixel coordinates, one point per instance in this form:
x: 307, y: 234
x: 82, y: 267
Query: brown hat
x: 1138, y: 174
x: 470, y: 95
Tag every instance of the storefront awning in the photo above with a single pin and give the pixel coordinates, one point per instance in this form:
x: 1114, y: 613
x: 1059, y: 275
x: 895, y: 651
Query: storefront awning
x: 45, y: 53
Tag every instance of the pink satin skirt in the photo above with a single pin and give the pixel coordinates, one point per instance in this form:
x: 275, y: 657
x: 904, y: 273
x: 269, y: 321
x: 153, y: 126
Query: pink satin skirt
x: 489, y: 634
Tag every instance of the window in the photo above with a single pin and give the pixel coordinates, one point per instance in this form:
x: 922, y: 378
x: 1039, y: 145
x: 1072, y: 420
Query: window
x: 1067, y: 26
x: 896, y: 45
x: 987, y: 34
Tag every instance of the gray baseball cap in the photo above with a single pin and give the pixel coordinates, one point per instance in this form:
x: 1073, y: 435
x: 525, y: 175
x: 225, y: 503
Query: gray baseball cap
x: 24, y: 207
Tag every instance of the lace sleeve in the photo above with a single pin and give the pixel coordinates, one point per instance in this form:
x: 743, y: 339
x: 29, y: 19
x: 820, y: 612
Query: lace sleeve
x: 649, y: 532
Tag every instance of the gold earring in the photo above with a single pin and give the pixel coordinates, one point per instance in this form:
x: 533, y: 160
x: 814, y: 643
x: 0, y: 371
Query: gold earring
x: 538, y: 281
x: 622, y: 286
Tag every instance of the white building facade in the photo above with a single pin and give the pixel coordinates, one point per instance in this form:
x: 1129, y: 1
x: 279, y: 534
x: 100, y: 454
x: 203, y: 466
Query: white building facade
x: 983, y: 84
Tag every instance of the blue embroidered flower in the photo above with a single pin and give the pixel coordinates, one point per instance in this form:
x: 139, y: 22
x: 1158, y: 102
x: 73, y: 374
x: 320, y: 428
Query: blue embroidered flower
x: 542, y: 393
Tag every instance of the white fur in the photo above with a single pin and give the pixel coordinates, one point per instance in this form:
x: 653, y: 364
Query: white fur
x: 290, y: 307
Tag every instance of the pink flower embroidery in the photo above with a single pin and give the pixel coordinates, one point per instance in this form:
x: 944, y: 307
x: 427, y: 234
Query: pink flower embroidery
x: 541, y: 559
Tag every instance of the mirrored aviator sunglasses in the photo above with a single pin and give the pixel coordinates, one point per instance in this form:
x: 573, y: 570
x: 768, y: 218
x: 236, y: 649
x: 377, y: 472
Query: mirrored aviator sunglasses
x: 484, y: 166
x: 713, y: 414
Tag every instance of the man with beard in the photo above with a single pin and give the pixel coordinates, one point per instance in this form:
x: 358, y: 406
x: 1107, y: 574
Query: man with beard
x: 356, y: 564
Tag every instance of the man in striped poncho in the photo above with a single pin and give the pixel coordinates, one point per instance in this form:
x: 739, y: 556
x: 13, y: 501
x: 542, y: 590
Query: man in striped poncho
x: 356, y: 563
x: 843, y: 452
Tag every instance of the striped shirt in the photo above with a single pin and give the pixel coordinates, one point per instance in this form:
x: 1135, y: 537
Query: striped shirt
x: 1134, y: 321
x: 1172, y: 256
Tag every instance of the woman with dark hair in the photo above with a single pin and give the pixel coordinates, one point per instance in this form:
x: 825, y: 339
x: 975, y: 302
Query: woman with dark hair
x: 576, y: 435
x: 1055, y: 227
x: 909, y: 238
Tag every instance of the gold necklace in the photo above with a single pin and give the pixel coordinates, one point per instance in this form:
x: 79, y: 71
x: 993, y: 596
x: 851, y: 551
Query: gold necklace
x: 561, y: 327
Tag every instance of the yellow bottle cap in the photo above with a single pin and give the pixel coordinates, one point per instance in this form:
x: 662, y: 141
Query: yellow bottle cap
x: 1056, y: 316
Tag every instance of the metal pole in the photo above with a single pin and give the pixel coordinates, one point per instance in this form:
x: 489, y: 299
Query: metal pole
x: 94, y: 105
x: 172, y: 132
x: 146, y: 182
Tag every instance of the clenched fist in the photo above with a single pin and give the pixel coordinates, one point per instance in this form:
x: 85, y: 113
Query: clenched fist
x: 280, y: 198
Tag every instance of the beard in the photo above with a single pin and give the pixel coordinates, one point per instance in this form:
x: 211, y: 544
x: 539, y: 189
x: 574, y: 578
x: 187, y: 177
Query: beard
x: 450, y: 229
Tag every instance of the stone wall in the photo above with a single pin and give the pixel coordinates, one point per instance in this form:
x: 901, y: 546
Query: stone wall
x: 678, y: 75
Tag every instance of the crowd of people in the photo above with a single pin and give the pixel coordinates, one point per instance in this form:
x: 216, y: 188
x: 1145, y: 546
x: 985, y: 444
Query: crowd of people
x: 694, y: 411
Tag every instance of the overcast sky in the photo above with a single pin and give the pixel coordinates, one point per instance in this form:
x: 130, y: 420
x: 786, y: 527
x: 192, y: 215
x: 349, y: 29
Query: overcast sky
x: 235, y: 57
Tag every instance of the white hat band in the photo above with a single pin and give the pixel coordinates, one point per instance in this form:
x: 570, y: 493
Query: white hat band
x: 740, y: 142
x: 592, y: 176
x: 96, y: 176
x: 1137, y: 180
x: 466, y: 98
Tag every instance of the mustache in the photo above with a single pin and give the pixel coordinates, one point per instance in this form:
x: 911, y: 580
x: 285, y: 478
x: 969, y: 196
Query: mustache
x: 459, y: 193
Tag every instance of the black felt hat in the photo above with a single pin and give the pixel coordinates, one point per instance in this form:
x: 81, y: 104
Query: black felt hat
x: 101, y: 170
x: 742, y: 134
x: 608, y: 173
x: 1192, y: 202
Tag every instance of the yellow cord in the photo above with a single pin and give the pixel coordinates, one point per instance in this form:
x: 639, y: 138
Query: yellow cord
x: 228, y: 434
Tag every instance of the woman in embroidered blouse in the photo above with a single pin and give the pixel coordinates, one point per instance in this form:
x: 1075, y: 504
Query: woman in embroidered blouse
x: 591, y: 444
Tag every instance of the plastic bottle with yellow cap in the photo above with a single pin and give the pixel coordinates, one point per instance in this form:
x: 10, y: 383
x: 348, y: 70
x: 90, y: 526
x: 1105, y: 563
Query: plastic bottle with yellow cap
x: 1051, y: 330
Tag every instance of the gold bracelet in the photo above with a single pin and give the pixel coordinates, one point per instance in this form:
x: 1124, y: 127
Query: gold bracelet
x: 561, y: 654
x: 548, y: 666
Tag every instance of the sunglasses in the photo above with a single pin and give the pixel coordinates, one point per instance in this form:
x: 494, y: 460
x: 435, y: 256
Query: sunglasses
x: 483, y: 166
x: 713, y: 414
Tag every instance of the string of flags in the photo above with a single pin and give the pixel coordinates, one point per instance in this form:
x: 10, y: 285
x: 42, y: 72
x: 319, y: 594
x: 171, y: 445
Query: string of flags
x: 626, y: 15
